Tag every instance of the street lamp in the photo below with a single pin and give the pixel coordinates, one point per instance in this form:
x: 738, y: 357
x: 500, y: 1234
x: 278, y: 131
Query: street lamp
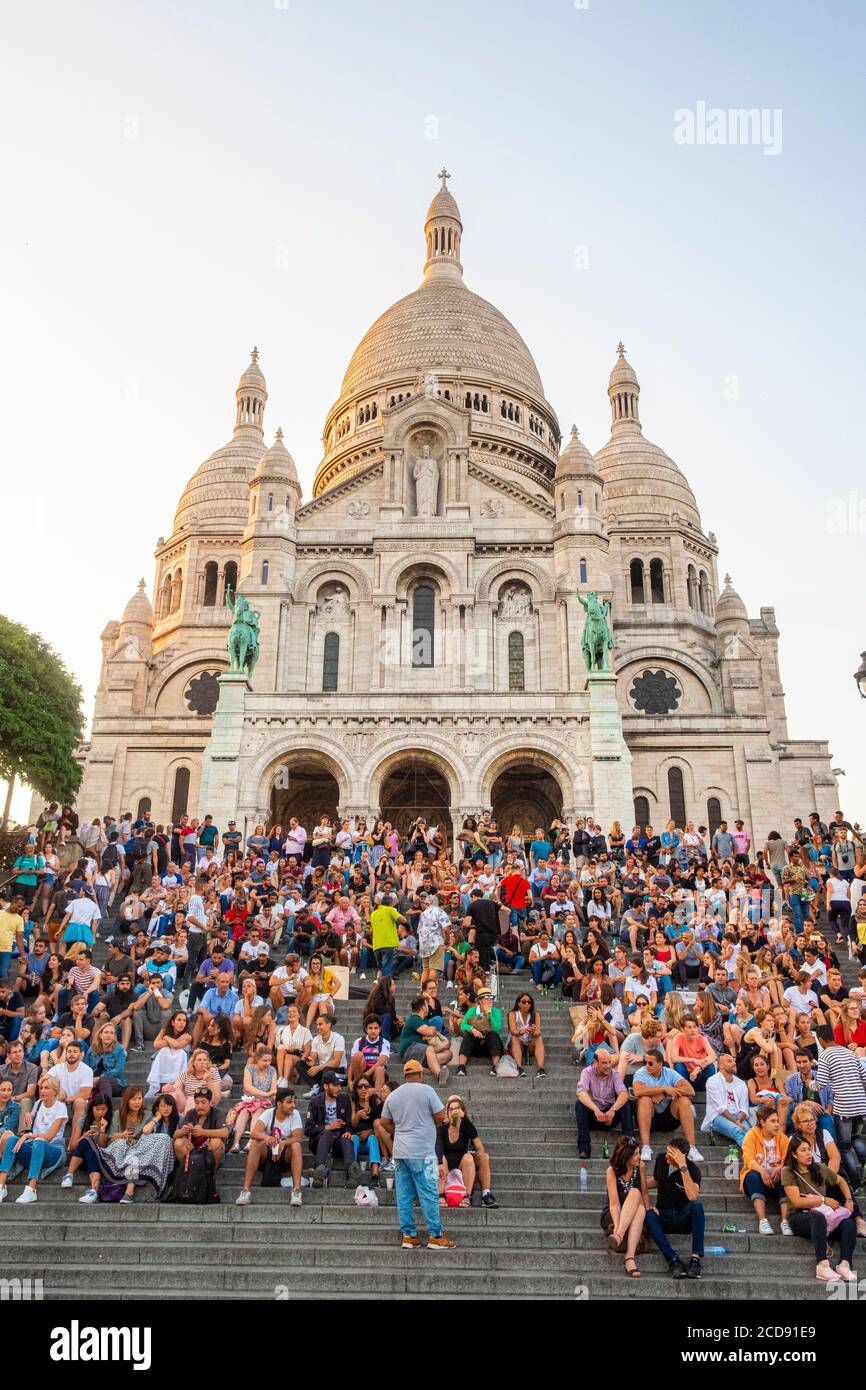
x: 860, y: 676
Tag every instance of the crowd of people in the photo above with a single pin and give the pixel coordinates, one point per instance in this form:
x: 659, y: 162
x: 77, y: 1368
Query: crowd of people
x: 692, y: 964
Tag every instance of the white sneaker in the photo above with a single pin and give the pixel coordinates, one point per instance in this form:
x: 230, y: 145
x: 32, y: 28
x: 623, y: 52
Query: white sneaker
x: 67, y: 1180
x: 764, y: 1228
x: 695, y: 1155
x: 363, y: 975
x: 27, y: 1196
x: 646, y: 1154
x: 296, y: 1198
x: 4, y: 1191
x: 90, y: 1196
x: 243, y: 1197
x: 786, y: 1228
x: 450, y: 984
x: 313, y: 1091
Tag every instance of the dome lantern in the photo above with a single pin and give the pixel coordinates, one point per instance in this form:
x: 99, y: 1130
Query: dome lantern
x: 443, y: 230
x: 623, y: 390
x: 251, y: 395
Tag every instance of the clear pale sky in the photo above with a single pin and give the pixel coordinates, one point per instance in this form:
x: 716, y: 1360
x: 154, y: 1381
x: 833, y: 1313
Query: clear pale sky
x: 182, y: 182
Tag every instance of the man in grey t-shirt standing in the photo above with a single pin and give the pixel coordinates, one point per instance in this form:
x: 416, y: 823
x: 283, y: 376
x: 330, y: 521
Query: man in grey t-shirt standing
x: 410, y: 1115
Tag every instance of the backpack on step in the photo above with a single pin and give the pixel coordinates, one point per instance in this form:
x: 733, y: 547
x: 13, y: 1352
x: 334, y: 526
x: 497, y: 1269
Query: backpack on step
x: 194, y: 1182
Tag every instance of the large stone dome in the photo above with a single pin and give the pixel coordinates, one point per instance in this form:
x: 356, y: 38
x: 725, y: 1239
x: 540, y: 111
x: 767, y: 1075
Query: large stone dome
x: 441, y: 327
x: 217, y: 496
x: 443, y: 331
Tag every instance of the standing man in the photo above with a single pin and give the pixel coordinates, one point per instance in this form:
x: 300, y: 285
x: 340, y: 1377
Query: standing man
x: 410, y: 1116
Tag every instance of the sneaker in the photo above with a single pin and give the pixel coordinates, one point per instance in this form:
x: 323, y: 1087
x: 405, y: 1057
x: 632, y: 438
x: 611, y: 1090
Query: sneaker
x: 27, y: 1196
x: 441, y: 1243
x: 67, y: 1180
x: 363, y: 975
x: 541, y: 1072
x: 521, y: 1071
x: 313, y: 1091
x: 375, y: 1180
x: 461, y: 1071
x: 320, y: 1175
x: 678, y: 1269
x: 450, y: 984
x: 411, y: 1243
x: 4, y: 1192
x: 488, y: 1200
x: 825, y: 1272
x: 126, y: 1200
x: 844, y: 1271
x: 786, y: 1229
x: 353, y: 1175
x: 764, y: 1228
x: 646, y: 1154
x: 442, y: 1078
x: 695, y: 1155
x: 387, y: 1166
x: 243, y: 1197
x: 584, y: 1153
x: 492, y: 1071
x: 296, y: 1198
x: 694, y: 1269
x: 90, y: 1196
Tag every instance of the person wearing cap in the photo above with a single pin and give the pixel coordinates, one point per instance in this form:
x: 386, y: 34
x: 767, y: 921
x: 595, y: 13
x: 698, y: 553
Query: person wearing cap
x: 481, y: 1032
x: 231, y: 838
x: 203, y: 1126
x: 409, y: 1118
x: 329, y: 1128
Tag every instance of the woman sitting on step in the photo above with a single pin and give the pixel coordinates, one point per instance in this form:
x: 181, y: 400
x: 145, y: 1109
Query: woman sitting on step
x: 622, y: 1219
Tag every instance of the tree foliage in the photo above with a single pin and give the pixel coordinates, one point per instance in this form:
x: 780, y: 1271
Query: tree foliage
x: 41, y: 719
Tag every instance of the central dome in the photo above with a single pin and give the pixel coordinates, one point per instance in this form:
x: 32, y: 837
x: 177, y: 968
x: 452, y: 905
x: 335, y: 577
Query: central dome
x: 442, y: 327
x: 447, y: 341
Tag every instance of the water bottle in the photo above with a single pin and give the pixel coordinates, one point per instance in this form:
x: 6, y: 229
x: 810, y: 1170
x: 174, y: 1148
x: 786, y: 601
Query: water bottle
x: 716, y: 1250
x: 584, y: 1179
x: 605, y: 1149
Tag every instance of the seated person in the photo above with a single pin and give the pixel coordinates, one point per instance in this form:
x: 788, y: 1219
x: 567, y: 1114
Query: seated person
x: 458, y: 1146
x: 602, y: 1101
x: 814, y: 1214
x: 329, y: 1128
x: 419, y: 1041
x: 663, y: 1102
x: 765, y: 1150
x: 691, y: 1055
x: 202, y: 1127
x: 370, y: 1055
x: 277, y: 1134
x: 728, y: 1102
x: 676, y: 1180
x: 524, y: 1027
x: 480, y: 1032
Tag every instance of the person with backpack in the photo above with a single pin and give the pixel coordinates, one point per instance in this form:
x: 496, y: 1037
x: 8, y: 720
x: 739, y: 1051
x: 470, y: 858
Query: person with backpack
x: 202, y: 1129
x: 276, y: 1146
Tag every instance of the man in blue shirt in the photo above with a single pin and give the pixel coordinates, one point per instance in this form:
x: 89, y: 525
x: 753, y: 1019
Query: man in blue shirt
x: 539, y: 879
x: 219, y: 999
x: 663, y: 1102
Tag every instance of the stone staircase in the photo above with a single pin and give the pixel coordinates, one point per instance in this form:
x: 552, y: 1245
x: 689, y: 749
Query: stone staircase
x: 543, y: 1241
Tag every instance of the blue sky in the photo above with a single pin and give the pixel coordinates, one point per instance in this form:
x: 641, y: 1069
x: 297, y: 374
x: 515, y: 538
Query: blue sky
x: 183, y: 182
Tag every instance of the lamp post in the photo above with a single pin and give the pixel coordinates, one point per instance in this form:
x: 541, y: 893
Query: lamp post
x: 860, y: 676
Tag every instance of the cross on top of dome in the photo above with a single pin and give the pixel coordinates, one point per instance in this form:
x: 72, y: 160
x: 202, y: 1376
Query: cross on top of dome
x: 620, y: 347
x: 254, y: 355
x: 443, y: 175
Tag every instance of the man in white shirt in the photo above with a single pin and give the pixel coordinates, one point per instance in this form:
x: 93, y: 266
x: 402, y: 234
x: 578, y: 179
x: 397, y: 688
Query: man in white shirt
x: 75, y: 1080
x: 287, y: 980
x: 328, y: 1053
x: 727, y: 1110
x: 278, y: 1133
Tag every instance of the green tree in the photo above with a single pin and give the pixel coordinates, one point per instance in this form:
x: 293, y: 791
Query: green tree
x: 41, y: 720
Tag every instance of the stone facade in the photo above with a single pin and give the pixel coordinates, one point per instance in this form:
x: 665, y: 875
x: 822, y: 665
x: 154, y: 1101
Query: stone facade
x: 420, y: 623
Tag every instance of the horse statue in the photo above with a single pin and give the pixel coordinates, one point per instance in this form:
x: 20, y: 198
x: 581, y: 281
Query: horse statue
x: 597, y: 640
x: 243, y: 639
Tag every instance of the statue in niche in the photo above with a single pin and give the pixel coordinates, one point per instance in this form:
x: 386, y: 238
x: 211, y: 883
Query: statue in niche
x: 516, y: 602
x: 333, y: 607
x: 426, y: 475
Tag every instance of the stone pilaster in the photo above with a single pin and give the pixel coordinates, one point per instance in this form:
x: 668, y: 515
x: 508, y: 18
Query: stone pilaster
x: 220, y: 762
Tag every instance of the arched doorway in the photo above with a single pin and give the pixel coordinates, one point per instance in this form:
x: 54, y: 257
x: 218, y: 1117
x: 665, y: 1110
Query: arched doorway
x: 413, y: 787
x: 304, y: 788
x: 528, y: 795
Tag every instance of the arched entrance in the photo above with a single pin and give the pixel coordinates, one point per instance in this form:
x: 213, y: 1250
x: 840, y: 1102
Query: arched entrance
x: 528, y: 795
x: 304, y: 788
x: 413, y: 787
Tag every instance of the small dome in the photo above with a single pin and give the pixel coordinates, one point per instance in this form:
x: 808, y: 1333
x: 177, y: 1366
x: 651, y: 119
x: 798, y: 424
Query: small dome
x: 253, y: 377
x: 138, y: 612
x: 217, y: 498
x: 576, y: 461
x: 640, y: 480
x: 623, y: 373
x: 277, y: 463
x: 729, y: 606
x: 443, y: 204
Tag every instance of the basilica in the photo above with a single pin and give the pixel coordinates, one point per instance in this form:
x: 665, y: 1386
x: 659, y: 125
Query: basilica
x: 421, y: 614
